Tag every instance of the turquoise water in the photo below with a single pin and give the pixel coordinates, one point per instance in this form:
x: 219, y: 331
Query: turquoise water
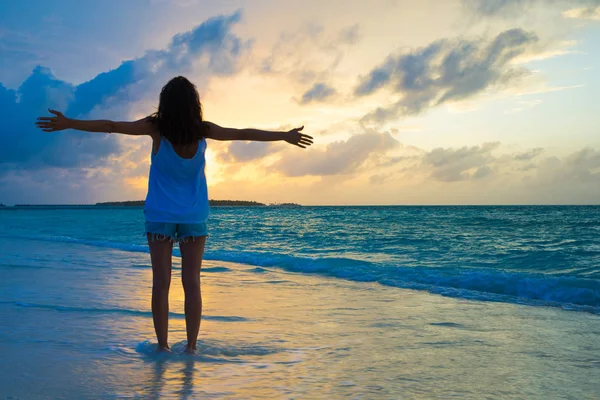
x: 532, y: 255
x: 311, y: 302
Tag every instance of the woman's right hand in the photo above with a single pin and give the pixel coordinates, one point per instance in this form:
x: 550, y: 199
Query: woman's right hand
x: 296, y: 138
x: 53, y: 124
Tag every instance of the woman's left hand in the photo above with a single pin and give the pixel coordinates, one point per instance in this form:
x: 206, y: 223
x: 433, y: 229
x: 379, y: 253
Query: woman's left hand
x: 52, y: 124
x: 299, y: 139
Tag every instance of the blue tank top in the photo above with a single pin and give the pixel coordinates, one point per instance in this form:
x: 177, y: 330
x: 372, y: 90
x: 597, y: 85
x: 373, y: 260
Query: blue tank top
x: 177, y: 190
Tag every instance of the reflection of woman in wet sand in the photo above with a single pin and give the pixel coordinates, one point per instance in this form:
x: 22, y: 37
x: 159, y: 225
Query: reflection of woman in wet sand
x: 166, y: 376
x: 176, y: 207
x: 158, y: 381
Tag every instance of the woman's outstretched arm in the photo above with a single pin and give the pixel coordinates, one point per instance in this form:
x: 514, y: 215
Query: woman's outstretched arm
x: 59, y: 122
x: 293, y: 136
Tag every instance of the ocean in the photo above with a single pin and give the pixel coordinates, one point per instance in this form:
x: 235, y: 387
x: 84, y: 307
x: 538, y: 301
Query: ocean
x: 308, y: 302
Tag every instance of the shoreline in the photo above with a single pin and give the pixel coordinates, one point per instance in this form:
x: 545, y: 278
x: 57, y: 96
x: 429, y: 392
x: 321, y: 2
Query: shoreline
x: 93, y: 206
x: 280, y: 344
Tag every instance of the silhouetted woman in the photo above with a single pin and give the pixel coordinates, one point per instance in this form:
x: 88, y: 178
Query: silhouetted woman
x: 176, y: 207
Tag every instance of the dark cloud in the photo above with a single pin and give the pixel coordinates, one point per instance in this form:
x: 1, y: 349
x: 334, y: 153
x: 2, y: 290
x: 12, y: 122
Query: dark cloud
x: 212, y: 38
x: 24, y: 146
x: 107, y: 84
x: 55, y: 185
x: 211, y: 42
x: 46, y: 186
x: 342, y: 157
x: 319, y: 92
x: 446, y: 70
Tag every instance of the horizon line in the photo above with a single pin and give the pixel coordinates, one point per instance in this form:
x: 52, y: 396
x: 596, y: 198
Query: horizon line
x: 316, y: 205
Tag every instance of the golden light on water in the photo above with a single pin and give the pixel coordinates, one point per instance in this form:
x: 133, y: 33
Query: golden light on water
x: 297, y: 332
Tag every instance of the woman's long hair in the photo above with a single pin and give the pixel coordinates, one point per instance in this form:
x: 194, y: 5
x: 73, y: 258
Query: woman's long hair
x: 179, y: 115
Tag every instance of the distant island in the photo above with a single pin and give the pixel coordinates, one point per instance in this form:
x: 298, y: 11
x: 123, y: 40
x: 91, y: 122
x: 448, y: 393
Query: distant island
x: 237, y: 203
x: 140, y: 203
x: 284, y: 205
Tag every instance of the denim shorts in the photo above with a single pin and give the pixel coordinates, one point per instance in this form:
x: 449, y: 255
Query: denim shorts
x: 175, y: 232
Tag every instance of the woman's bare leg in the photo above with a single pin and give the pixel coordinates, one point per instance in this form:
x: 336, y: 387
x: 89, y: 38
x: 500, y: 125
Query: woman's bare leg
x: 160, y: 254
x: 191, y: 262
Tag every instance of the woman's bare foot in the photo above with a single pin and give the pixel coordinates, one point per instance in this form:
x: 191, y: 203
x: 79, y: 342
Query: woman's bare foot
x: 190, y: 350
x: 163, y: 349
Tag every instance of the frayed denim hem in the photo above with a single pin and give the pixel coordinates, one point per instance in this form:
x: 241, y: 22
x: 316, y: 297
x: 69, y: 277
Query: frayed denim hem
x: 174, y: 232
x: 161, y: 237
x: 186, y: 239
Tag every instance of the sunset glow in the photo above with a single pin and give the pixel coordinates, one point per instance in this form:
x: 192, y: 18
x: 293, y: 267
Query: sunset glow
x: 431, y: 102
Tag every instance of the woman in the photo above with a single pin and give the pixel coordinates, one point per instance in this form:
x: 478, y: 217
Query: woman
x: 176, y: 207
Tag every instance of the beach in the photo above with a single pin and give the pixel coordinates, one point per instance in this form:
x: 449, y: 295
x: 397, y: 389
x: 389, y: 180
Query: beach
x: 77, y: 324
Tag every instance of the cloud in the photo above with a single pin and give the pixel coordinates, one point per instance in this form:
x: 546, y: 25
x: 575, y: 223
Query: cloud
x: 495, y: 7
x: 47, y: 186
x: 22, y: 145
x: 573, y: 179
x: 310, y: 56
x: 451, y: 165
x: 524, y: 105
x: 67, y: 167
x: 483, y: 174
x: 239, y: 151
x: 341, y: 157
x: 350, y: 35
x: 104, y: 86
x: 509, y: 8
x: 591, y: 13
x: 319, y: 92
x: 179, y: 3
x: 444, y: 71
x: 515, y: 178
x: 529, y: 155
x: 17, y: 49
x: 583, y: 165
x: 210, y: 46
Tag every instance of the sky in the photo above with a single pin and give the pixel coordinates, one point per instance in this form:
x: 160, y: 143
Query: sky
x: 429, y: 102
